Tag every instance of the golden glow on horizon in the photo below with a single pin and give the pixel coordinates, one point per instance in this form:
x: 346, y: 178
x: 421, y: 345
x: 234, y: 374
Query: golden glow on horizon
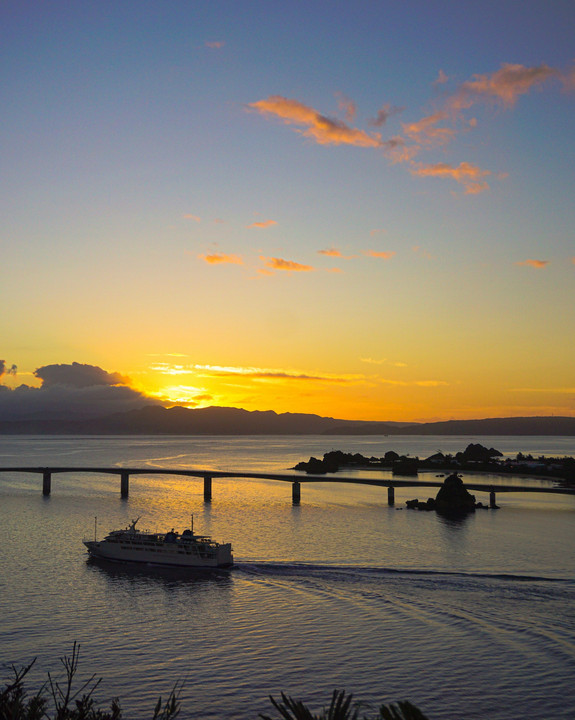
x: 371, y: 396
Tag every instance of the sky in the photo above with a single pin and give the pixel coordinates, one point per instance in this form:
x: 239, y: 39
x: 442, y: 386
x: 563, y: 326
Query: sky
x: 361, y: 210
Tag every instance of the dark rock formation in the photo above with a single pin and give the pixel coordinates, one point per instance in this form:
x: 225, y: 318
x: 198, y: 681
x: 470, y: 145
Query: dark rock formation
x: 453, y: 498
x: 336, y: 459
x: 419, y: 505
x: 318, y: 467
x: 477, y: 453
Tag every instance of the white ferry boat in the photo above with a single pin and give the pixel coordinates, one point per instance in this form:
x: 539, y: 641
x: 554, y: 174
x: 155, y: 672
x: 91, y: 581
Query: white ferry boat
x: 185, y: 550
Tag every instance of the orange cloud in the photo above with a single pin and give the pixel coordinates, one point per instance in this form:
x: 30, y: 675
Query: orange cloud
x: 324, y: 130
x: 192, y: 217
x: 289, y: 265
x: 534, y: 263
x: 426, y: 132
x: 504, y: 86
x: 380, y: 254
x: 468, y: 175
x: 262, y: 225
x: 332, y: 252
x: 222, y: 258
x: 216, y: 44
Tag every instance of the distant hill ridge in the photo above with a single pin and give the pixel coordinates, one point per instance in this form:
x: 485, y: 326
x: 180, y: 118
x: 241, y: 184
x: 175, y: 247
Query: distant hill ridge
x: 155, y: 420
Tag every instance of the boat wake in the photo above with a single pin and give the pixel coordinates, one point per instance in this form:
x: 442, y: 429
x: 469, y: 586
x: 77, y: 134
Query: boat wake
x: 346, y: 571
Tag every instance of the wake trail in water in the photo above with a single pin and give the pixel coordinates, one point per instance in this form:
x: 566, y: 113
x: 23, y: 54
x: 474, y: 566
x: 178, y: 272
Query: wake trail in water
x: 305, y: 569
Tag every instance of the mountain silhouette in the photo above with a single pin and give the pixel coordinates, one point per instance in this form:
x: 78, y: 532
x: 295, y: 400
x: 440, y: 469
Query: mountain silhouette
x: 155, y: 420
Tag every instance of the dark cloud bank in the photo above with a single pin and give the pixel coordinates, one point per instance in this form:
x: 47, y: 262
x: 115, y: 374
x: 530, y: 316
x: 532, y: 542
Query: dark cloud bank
x: 69, y: 392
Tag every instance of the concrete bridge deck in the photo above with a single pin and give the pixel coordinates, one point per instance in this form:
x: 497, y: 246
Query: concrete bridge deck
x: 295, y: 479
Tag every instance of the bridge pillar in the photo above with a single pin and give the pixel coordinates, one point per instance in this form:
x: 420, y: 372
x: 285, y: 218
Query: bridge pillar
x: 207, y: 488
x: 46, y: 482
x: 391, y: 496
x: 492, y: 502
x: 296, y: 492
x: 124, y: 484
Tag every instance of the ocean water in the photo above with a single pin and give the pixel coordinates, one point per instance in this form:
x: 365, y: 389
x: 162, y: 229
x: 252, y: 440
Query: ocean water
x: 470, y: 619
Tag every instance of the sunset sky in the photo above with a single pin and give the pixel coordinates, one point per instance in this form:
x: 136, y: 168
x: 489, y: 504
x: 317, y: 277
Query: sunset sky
x: 362, y: 210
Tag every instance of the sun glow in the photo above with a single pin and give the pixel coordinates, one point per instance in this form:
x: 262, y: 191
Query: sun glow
x: 184, y: 395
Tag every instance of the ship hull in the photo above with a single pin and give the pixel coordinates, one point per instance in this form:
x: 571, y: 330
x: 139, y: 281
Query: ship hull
x: 167, y: 556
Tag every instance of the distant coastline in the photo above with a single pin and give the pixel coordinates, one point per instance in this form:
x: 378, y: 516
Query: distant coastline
x: 154, y: 420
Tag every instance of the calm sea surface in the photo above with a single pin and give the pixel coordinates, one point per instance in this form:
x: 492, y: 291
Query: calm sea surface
x: 470, y: 619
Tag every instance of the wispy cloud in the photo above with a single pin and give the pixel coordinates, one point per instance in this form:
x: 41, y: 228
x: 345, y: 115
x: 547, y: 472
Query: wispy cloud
x: 441, y: 78
x: 383, y: 361
x: 331, y: 252
x: 383, y: 115
x: 255, y: 373
x: 425, y: 131
x: 416, y: 383
x: 320, y: 128
x: 334, y: 252
x: 538, y: 264
x: 215, y: 44
x: 188, y: 216
x: 262, y: 225
x: 560, y: 390
x: 468, y: 175
x: 170, y: 369
x: 396, y: 150
x: 222, y: 258
x: 503, y: 86
x: 347, y: 106
x: 289, y: 265
x: 382, y: 254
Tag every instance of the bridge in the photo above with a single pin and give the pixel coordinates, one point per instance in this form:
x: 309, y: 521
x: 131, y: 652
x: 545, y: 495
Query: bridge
x: 295, y: 480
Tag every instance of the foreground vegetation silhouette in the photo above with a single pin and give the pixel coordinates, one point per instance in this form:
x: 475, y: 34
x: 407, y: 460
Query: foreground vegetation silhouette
x: 70, y: 699
x: 342, y: 707
x: 73, y: 699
